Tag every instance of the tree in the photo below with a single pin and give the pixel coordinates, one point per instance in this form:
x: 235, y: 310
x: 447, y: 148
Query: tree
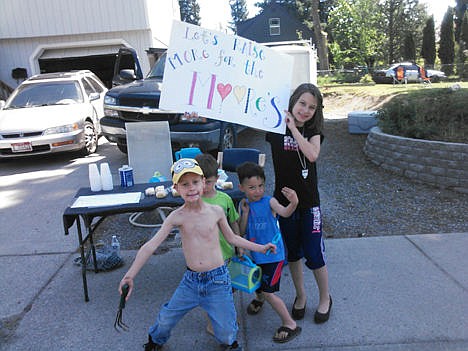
x: 447, y: 42
x: 409, y: 48
x: 428, y: 50
x: 460, y: 9
x: 355, y: 26
x: 401, y: 17
x: 463, y: 49
x: 190, y: 11
x: 239, y: 13
x: 321, y: 36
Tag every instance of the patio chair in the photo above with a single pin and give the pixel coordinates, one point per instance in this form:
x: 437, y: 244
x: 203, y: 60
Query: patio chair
x: 423, y: 78
x: 400, y: 76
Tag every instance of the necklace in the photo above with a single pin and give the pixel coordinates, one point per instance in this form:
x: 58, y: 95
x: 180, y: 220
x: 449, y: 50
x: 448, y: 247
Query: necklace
x: 302, y: 160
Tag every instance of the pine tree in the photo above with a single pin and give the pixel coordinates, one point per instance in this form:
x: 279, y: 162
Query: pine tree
x: 239, y: 13
x: 428, y: 50
x: 463, y: 50
x: 190, y: 11
x: 409, y: 48
x: 447, y: 42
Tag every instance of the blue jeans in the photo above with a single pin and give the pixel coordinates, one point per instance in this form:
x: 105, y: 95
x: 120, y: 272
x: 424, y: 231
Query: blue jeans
x: 211, y: 291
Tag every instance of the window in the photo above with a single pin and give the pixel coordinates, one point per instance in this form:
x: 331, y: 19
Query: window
x: 275, y: 26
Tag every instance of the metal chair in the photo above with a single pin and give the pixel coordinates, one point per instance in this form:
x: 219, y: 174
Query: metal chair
x: 149, y: 150
x: 423, y: 78
x: 229, y: 159
x: 400, y: 76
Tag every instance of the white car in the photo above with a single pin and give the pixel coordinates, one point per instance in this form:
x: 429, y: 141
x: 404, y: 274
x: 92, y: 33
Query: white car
x: 412, y: 72
x: 52, y: 112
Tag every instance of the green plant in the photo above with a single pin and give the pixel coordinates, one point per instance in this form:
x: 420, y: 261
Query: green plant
x: 431, y: 114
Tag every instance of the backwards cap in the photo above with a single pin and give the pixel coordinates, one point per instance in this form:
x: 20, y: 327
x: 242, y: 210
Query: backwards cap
x: 182, y: 166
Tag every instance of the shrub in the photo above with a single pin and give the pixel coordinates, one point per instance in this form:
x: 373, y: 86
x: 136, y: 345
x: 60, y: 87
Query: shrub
x: 431, y: 114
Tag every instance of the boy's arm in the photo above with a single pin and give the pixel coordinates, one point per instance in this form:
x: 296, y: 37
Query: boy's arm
x: 244, y: 216
x: 238, y: 240
x: 287, y: 211
x: 145, y: 253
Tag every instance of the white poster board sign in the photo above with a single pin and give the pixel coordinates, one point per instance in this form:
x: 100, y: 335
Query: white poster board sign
x: 226, y: 77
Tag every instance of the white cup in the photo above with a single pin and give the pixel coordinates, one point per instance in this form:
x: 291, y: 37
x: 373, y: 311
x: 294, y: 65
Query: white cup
x: 94, y: 177
x: 106, y: 177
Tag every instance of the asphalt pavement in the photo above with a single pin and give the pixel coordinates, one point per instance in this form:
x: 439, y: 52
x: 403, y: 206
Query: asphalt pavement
x: 390, y: 293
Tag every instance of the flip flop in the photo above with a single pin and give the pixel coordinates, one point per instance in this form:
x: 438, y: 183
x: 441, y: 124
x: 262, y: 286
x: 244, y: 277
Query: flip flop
x: 254, y: 306
x: 290, y: 334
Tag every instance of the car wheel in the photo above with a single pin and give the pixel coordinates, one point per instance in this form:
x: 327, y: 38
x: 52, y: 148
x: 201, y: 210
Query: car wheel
x: 228, y: 137
x: 435, y: 79
x: 90, y: 139
x: 122, y: 147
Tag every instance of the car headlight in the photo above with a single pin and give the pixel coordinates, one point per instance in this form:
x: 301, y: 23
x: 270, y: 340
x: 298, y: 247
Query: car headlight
x: 62, y: 129
x: 111, y: 113
x: 192, y: 117
x: 110, y: 100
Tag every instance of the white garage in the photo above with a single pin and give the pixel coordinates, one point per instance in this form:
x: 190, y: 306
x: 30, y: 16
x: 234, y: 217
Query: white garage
x: 60, y: 35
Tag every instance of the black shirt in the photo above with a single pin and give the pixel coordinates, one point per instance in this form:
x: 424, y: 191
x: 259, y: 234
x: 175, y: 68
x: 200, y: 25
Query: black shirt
x: 288, y: 168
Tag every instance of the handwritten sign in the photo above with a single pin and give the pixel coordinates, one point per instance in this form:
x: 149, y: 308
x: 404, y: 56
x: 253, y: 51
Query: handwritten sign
x: 226, y: 77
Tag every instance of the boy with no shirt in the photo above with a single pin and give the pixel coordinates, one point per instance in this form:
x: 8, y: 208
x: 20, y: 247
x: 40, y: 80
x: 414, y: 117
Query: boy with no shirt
x: 206, y: 283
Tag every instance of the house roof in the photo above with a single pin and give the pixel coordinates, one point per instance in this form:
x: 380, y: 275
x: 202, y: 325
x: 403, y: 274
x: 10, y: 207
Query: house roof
x: 258, y: 27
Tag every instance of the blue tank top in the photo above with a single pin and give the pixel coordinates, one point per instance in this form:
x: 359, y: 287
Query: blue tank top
x: 262, y: 227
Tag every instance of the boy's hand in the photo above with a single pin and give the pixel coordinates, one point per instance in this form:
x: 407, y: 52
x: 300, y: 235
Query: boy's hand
x: 290, y: 194
x: 240, y: 252
x: 129, y: 281
x: 269, y: 246
x: 244, y: 205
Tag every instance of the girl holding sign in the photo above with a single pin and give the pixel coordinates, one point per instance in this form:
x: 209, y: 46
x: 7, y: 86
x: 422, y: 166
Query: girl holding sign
x: 294, y: 160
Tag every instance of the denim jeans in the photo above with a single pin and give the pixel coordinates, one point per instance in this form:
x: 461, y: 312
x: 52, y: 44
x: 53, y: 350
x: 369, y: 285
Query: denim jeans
x: 211, y: 291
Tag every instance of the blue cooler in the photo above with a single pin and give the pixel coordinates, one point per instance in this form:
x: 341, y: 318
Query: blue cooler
x: 361, y: 122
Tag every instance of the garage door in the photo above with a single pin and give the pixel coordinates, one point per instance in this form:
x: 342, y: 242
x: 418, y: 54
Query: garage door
x: 98, y: 59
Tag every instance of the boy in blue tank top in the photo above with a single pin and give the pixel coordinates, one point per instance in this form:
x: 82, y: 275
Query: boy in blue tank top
x: 259, y: 224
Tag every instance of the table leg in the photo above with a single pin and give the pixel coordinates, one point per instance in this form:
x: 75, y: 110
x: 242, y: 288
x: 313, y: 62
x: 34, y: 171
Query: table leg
x: 83, y: 258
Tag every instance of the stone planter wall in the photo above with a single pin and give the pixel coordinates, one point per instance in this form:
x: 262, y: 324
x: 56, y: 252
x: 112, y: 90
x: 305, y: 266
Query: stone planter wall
x: 441, y: 164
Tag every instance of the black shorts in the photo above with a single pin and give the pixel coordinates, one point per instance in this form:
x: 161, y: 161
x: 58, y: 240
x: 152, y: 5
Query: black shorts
x: 271, y: 276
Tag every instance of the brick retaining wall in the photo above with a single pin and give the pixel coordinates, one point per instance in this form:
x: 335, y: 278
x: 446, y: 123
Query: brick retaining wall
x: 441, y: 164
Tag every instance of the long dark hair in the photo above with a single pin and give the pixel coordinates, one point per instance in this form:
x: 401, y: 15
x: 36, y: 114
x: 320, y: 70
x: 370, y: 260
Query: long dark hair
x: 316, y: 122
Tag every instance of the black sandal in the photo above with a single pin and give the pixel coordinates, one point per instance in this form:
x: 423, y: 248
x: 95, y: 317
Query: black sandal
x: 254, y: 306
x: 290, y: 334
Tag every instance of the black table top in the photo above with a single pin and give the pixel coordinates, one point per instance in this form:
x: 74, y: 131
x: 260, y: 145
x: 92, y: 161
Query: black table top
x: 146, y: 203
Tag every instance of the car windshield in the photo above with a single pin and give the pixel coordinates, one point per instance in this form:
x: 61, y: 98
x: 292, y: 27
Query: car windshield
x: 44, y: 94
x: 158, y: 69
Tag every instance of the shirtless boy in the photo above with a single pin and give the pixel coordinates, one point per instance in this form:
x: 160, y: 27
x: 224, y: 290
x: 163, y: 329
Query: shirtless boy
x: 199, y: 224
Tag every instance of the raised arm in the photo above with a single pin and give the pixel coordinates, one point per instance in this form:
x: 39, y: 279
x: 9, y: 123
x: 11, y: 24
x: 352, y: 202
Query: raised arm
x: 283, y: 211
x: 244, y: 216
x: 309, y: 147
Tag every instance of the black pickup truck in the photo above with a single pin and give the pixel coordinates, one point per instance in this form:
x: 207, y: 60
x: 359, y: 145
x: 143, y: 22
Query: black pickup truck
x: 134, y: 99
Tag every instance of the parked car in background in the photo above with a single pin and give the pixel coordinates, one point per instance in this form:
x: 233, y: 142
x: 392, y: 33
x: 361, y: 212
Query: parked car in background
x: 412, y: 72
x: 52, y: 112
x: 136, y: 99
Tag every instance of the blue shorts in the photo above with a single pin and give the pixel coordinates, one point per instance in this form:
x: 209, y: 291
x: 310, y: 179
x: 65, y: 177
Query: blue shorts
x: 271, y: 276
x: 302, y: 235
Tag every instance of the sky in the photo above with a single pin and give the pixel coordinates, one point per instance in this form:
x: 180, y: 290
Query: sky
x: 216, y: 14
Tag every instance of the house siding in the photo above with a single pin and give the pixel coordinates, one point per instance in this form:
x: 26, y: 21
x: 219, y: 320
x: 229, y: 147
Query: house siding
x: 258, y: 27
x: 29, y: 28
